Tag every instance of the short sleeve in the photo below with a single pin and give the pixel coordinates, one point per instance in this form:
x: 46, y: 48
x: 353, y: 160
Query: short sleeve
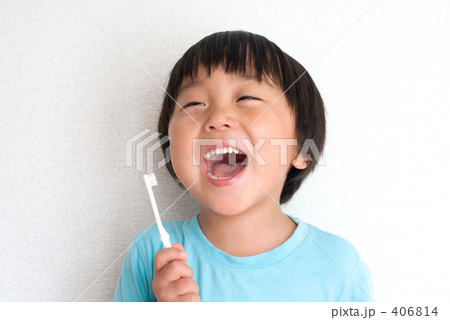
x: 132, y: 285
x: 360, y: 287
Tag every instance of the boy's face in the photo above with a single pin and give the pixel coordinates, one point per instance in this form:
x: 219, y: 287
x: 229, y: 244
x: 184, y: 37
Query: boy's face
x: 224, y: 116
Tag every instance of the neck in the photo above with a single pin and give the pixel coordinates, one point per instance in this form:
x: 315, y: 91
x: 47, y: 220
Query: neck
x: 257, y: 230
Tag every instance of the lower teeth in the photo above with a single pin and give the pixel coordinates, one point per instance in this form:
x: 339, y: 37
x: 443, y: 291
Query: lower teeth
x: 217, y: 178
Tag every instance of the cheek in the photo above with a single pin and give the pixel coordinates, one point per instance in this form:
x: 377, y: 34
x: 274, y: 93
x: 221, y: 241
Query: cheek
x: 272, y: 155
x: 276, y: 152
x: 181, y: 150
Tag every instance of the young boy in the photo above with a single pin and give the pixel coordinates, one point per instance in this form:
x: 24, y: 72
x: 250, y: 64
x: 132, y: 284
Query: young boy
x: 233, y: 105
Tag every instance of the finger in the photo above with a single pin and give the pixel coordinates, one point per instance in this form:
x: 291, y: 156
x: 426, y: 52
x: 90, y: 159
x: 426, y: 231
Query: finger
x: 190, y: 297
x: 184, y: 286
x: 175, y: 270
x: 164, y: 256
x: 180, y: 247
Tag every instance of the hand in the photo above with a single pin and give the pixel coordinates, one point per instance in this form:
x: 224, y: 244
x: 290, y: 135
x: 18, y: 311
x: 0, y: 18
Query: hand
x: 173, y: 279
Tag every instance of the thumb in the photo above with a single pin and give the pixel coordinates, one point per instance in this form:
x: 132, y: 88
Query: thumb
x: 180, y: 247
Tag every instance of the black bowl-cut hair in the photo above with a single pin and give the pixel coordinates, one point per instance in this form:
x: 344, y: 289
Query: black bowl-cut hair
x: 236, y: 52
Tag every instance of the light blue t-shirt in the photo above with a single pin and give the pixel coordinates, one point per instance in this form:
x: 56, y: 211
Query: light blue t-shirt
x: 312, y: 265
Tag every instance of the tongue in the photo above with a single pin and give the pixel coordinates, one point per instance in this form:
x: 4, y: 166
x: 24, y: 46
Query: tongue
x: 222, y: 170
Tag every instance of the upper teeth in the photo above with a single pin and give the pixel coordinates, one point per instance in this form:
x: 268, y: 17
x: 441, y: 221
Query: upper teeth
x: 211, y: 153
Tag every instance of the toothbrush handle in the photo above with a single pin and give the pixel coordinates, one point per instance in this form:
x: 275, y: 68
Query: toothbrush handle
x: 165, y: 237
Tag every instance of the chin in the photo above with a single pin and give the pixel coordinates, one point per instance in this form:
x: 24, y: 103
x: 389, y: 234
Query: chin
x: 222, y: 207
x: 226, y: 210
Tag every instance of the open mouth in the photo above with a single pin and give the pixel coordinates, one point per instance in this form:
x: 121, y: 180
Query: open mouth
x: 224, y: 163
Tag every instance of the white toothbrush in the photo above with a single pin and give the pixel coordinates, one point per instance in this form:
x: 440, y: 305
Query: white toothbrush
x: 150, y: 180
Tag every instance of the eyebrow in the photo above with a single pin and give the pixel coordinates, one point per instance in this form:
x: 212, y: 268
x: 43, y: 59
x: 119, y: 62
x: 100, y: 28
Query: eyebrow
x: 199, y: 82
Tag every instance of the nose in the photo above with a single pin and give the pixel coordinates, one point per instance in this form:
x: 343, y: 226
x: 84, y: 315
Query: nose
x: 219, y: 119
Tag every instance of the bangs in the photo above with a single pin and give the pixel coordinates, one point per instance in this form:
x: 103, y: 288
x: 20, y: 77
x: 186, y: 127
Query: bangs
x: 234, y: 51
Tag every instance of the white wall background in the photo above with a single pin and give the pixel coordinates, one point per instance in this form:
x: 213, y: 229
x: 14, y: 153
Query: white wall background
x: 70, y: 97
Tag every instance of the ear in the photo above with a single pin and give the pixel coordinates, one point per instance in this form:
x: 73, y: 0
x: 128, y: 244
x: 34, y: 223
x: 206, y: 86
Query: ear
x: 299, y: 162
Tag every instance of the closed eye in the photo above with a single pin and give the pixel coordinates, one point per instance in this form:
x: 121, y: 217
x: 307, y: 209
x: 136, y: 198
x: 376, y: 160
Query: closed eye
x: 193, y: 104
x: 247, y: 98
